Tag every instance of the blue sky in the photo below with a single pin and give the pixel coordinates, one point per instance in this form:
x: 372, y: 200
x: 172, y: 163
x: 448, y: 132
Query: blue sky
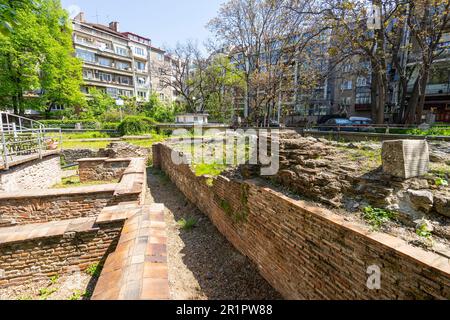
x: 165, y: 22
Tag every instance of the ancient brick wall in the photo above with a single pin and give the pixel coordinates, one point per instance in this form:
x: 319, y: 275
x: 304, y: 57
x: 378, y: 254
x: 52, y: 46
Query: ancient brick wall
x: 33, y: 175
x: 308, y: 252
x: 43, y: 257
x: 101, y: 169
x: 50, y: 206
x: 72, y: 155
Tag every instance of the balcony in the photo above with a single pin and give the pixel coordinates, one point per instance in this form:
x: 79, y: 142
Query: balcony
x: 110, y: 82
x: 113, y: 67
x: 434, y: 89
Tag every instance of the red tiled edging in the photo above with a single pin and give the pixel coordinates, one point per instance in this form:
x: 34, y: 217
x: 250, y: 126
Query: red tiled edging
x: 137, y: 269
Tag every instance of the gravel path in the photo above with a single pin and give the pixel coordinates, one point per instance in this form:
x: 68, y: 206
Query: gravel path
x: 202, y: 263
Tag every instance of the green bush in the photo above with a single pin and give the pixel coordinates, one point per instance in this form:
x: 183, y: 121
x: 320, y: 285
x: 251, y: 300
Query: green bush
x: 110, y: 125
x: 132, y: 125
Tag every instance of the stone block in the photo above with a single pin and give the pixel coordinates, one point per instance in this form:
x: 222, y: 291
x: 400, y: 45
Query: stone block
x: 405, y: 158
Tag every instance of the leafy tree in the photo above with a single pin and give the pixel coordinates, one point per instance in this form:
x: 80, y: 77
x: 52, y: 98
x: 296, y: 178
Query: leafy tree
x: 269, y: 39
x: 61, y: 72
x: 36, y: 57
x: 98, y: 104
x: 221, y: 80
x: 21, y: 54
x: 427, y: 21
x: 158, y: 110
x: 8, y: 12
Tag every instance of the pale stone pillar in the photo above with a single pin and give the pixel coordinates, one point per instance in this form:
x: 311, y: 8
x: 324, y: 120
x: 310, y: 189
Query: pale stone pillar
x: 406, y: 158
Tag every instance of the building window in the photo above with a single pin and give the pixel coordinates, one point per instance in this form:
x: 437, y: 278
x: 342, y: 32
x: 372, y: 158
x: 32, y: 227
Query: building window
x: 347, y: 85
x: 124, y: 80
x: 113, y: 92
x: 139, y: 51
x: 346, y: 101
x: 104, y: 76
x: 361, y: 82
x: 160, y: 57
x: 85, y: 55
x: 122, y: 51
x: 140, y: 65
x: 125, y: 93
x: 105, y: 62
x: 347, y: 67
x: 88, y: 74
x: 363, y: 98
x: 142, y: 94
x: 141, y: 80
x: 123, y: 65
x: 161, y: 96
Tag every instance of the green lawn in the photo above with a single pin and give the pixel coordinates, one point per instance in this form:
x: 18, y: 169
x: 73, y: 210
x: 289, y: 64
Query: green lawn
x: 74, y: 181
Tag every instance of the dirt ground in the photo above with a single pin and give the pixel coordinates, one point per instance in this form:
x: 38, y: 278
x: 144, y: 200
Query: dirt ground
x: 202, y: 263
x: 75, y: 286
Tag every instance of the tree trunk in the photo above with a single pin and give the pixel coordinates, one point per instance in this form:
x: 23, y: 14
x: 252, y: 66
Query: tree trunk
x: 422, y: 95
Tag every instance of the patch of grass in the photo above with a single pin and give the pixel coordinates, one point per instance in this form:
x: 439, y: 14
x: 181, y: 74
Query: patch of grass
x: 74, y: 181
x: 54, y: 279
x: 440, y: 182
x: 187, y: 224
x: 376, y: 217
x: 147, y: 143
x: 83, y: 135
x: 423, y: 231
x: 78, y: 295
x: 213, y: 169
x: 45, y: 293
x: 25, y: 298
x: 70, y: 168
x: 85, y: 144
x: 435, y: 131
x: 209, y: 182
x: 94, y: 270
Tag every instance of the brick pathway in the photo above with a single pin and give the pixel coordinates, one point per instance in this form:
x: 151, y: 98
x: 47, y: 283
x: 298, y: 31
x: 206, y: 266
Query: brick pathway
x: 138, y: 267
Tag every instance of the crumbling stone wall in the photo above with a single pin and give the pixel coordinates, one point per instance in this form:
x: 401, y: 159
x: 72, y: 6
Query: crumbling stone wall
x: 308, y: 252
x: 101, y: 169
x: 123, y: 150
x: 316, y: 169
x: 72, y: 155
x: 33, y: 175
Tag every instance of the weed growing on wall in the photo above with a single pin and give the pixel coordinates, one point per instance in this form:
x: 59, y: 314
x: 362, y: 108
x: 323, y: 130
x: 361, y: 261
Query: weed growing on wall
x: 94, y: 270
x: 377, y: 217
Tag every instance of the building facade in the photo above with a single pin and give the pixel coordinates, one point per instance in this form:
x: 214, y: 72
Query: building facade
x: 121, y: 64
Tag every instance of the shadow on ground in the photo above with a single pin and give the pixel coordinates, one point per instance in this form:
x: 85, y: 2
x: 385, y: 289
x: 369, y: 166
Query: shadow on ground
x: 202, y: 263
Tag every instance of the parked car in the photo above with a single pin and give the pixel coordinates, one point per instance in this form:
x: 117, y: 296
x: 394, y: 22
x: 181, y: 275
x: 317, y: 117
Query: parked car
x: 338, y: 124
x: 363, y: 124
x: 274, y: 124
x: 361, y: 120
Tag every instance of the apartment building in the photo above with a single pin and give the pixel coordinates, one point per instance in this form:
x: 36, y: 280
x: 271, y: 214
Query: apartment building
x: 437, y: 101
x: 120, y: 64
x: 298, y: 100
x: 160, y: 63
x: 351, y: 82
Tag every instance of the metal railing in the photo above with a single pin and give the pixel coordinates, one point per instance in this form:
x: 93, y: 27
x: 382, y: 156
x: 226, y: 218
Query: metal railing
x: 21, y: 138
